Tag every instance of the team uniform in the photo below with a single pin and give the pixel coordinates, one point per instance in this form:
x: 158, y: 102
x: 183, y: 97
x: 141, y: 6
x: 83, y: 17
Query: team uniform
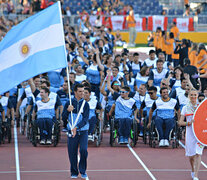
x: 80, y: 138
x: 45, y: 116
x: 165, y: 115
x: 123, y: 115
x: 192, y: 146
x: 157, y: 77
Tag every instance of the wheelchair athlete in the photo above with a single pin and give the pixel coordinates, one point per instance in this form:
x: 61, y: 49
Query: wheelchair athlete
x: 45, y: 110
x: 124, y: 107
x: 94, y: 105
x: 165, y: 107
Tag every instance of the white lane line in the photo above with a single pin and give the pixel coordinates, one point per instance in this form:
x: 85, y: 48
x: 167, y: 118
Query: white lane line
x: 104, y: 170
x: 141, y: 162
x: 184, y: 148
x: 16, y: 152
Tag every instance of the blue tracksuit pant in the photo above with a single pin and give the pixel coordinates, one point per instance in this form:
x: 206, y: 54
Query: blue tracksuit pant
x: 45, y: 125
x: 169, y: 125
x: 81, y: 139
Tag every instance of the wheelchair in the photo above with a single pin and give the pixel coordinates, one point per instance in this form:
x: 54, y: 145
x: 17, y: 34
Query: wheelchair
x: 98, y: 132
x: 5, y: 131
x: 35, y: 133
x: 154, y: 135
x: 106, y: 119
x: 28, y: 129
x: 114, y: 126
x: 22, y: 120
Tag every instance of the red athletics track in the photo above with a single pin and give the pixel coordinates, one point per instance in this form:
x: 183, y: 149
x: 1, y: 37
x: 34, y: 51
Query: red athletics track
x: 104, y: 162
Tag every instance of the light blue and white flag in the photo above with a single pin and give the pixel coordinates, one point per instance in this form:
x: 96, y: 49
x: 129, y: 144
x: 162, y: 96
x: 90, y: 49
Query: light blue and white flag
x: 34, y: 46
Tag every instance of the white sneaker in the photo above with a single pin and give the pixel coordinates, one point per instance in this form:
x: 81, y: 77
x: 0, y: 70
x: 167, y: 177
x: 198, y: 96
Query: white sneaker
x: 48, y: 142
x: 192, y: 174
x: 166, y: 142
x: 42, y: 141
x: 162, y: 143
x: 195, y: 178
x: 90, y: 138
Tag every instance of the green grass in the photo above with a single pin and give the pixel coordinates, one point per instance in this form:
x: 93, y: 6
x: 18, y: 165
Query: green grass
x: 136, y: 46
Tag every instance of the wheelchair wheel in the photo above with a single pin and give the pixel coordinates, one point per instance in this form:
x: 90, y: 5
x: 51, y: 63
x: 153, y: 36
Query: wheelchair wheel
x: 28, y: 126
x: 8, y: 131
x: 145, y: 132
x: 34, y: 135
x: 153, y: 143
x: 99, y: 134
x: 56, y: 133
x: 105, y: 121
x: 134, y: 134
x: 112, y: 133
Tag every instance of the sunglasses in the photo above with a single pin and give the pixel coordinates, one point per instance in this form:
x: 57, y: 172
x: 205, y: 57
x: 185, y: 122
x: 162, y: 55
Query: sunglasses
x: 116, y: 84
x: 150, y: 93
x: 123, y: 92
x: 164, y: 84
x: 126, y: 74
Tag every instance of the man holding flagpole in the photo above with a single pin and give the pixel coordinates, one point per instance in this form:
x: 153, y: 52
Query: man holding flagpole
x: 77, y: 131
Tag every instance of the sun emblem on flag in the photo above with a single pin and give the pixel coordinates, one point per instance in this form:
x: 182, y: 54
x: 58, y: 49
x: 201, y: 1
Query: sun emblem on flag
x: 24, y: 49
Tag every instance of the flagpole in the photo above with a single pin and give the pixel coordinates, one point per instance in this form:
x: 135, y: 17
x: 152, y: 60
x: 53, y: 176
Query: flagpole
x: 69, y: 92
x: 67, y: 71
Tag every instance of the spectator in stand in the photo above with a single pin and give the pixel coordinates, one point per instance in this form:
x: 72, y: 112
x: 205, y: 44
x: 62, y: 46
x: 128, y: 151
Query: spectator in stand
x: 187, y: 11
x: 98, y: 21
x: 26, y: 5
x: 131, y: 25
x: 35, y: 6
x: 174, y: 29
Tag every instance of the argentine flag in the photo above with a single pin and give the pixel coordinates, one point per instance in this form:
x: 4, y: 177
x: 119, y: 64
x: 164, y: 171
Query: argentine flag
x: 34, y: 46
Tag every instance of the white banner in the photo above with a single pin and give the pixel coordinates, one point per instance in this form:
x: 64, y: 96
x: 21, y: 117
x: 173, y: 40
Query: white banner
x: 158, y: 21
x: 139, y: 27
x: 117, y: 22
x: 182, y: 24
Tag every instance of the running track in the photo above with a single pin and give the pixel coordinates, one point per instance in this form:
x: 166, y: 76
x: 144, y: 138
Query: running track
x: 104, y: 162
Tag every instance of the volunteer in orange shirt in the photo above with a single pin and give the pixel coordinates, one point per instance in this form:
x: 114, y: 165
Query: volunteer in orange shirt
x: 175, y: 31
x: 169, y: 46
x: 157, y: 40
x: 193, y: 54
x: 131, y: 25
x: 202, y: 58
x: 202, y: 63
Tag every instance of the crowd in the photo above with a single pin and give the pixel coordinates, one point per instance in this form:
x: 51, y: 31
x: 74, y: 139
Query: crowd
x: 119, y: 84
